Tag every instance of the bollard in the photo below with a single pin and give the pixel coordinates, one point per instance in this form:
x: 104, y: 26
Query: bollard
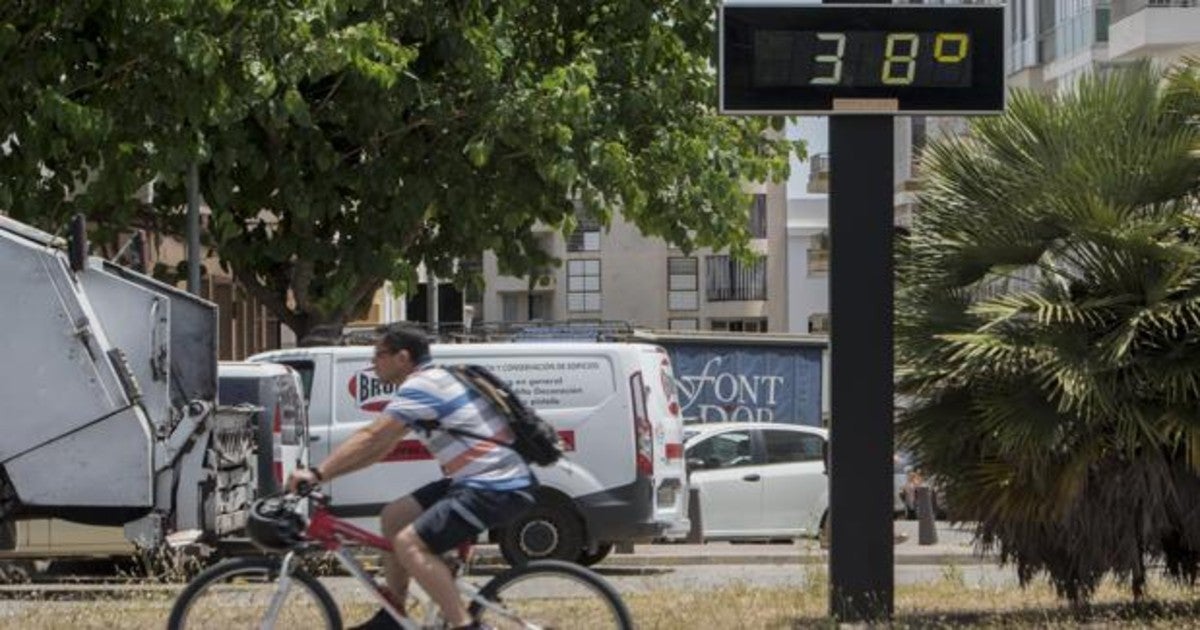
x: 696, y: 533
x: 926, y: 528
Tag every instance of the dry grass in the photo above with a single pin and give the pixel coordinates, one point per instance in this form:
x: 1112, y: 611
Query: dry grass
x: 950, y: 602
x: 947, y: 603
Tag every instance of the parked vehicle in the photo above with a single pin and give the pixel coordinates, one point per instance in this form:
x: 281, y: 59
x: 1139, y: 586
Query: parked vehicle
x: 614, y: 404
x: 110, y: 399
x: 281, y: 420
x: 758, y: 479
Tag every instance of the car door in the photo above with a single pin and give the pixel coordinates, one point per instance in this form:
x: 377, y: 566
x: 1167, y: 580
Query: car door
x: 730, y: 488
x: 795, y: 489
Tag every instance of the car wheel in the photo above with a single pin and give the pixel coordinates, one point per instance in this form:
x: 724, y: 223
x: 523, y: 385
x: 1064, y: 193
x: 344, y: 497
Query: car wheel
x: 590, y: 559
x: 544, y: 532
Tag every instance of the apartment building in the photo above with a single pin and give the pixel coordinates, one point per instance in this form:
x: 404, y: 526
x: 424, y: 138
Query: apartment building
x: 1052, y: 43
x: 619, y: 275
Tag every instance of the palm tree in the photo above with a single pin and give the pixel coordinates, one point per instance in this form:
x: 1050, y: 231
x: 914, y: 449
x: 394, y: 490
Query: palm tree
x: 1048, y: 329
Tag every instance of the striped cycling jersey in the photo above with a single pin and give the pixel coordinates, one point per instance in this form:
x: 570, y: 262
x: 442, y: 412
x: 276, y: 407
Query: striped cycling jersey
x: 432, y: 393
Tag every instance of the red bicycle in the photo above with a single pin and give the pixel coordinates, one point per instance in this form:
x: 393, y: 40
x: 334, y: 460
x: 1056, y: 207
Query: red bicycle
x: 275, y: 591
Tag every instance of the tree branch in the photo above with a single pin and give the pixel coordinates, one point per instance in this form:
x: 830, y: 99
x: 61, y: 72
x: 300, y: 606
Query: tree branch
x: 337, y: 84
x: 119, y: 70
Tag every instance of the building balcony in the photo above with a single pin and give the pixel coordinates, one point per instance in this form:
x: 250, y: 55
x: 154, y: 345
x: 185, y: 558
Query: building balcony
x: 1164, y: 29
x: 818, y: 174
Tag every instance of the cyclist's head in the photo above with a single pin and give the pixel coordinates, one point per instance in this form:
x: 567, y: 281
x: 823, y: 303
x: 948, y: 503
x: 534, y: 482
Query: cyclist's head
x: 398, y: 351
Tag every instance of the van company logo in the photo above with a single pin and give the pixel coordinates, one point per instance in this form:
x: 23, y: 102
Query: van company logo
x: 370, y: 393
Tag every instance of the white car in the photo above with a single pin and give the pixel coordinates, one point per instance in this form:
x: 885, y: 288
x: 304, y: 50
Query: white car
x: 758, y: 479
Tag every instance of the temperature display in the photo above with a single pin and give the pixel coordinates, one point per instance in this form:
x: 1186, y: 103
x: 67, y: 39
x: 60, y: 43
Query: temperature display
x: 855, y: 58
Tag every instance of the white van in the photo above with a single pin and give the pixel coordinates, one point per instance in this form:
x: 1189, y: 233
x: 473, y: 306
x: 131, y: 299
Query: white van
x: 614, y: 404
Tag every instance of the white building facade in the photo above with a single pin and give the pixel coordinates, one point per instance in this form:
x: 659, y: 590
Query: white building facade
x: 619, y: 275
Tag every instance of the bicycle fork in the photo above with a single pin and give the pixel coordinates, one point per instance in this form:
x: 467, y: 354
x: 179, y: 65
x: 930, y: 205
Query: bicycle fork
x: 282, y: 586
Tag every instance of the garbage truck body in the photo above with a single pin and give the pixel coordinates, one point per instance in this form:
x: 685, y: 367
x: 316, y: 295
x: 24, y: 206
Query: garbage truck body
x: 109, y: 387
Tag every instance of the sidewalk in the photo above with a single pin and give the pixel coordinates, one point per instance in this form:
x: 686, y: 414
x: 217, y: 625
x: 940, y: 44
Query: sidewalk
x: 953, y: 547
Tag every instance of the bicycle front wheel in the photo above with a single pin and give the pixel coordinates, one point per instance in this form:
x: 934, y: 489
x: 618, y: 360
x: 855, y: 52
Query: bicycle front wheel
x: 239, y: 593
x: 550, y: 594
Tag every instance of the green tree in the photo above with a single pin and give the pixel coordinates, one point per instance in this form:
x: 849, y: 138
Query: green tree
x: 1048, y: 329
x: 344, y: 142
x: 99, y: 98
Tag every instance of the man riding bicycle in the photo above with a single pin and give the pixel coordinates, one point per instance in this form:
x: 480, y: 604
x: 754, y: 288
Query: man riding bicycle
x: 485, y: 486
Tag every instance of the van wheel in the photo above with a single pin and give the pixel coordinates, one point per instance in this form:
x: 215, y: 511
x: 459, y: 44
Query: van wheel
x: 589, y: 559
x: 823, y: 532
x: 544, y: 532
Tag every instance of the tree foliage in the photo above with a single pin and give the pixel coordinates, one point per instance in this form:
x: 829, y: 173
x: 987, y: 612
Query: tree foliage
x: 1048, y: 329
x: 343, y: 142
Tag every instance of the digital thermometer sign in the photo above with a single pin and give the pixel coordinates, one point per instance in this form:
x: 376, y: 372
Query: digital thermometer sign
x: 834, y: 59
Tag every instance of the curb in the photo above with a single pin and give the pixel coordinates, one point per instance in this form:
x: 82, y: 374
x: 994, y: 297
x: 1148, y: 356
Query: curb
x: 666, y: 560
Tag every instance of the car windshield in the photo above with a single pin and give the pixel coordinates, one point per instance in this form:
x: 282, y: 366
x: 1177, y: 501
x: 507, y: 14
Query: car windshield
x: 689, y: 433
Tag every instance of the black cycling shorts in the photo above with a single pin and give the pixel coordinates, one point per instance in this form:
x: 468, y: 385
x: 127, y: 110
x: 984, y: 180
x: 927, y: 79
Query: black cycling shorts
x: 452, y: 514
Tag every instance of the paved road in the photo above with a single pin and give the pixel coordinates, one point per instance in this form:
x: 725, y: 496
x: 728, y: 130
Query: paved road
x: 689, y: 567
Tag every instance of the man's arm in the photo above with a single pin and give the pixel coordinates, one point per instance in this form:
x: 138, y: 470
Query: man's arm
x: 365, y: 447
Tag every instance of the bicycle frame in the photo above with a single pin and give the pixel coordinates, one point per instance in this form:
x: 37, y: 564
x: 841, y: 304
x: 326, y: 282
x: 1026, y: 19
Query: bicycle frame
x: 331, y: 534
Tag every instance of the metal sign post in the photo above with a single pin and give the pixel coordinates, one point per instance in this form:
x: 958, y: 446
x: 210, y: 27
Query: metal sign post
x: 860, y: 302
x: 861, y: 65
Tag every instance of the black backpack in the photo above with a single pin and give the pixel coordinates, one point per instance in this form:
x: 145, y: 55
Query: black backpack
x: 534, y: 439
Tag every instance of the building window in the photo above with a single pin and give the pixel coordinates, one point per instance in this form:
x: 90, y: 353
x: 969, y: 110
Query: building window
x: 683, y: 323
x: 818, y: 323
x: 728, y: 280
x: 818, y: 256
x: 511, y: 306
x: 758, y: 217
x: 583, y: 286
x: 539, y: 307
x: 683, y: 285
x: 586, y: 237
x: 522, y: 307
x: 753, y: 325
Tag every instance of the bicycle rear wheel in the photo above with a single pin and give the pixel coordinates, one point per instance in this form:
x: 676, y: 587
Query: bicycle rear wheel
x: 237, y: 593
x: 550, y: 594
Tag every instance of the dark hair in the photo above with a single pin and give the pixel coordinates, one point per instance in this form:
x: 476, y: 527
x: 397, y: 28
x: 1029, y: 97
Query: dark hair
x: 399, y: 337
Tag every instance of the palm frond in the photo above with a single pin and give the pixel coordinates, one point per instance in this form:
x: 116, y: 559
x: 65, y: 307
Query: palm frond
x: 1048, y: 326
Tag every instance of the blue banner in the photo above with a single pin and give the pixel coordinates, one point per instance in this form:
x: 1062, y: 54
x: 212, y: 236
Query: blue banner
x: 741, y: 383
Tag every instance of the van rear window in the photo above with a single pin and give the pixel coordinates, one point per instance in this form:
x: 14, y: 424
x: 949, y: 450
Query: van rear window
x: 305, y: 368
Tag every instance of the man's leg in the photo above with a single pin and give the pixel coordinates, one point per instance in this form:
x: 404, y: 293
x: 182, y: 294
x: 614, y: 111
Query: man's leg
x: 428, y: 569
x: 395, y: 517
